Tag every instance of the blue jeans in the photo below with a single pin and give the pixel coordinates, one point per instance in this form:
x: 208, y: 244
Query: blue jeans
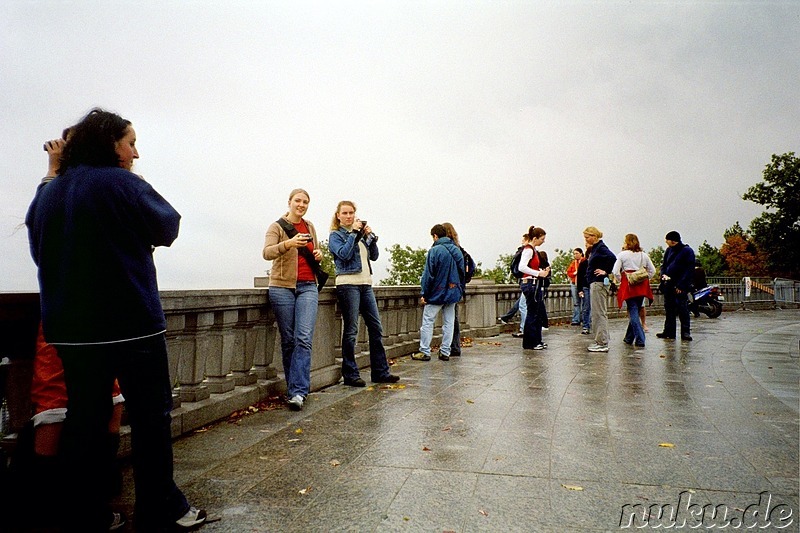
x: 141, y: 367
x: 534, y: 303
x: 523, y: 312
x: 429, y: 313
x: 576, y: 304
x: 635, y: 331
x: 296, y: 314
x: 586, y: 308
x: 355, y: 300
x: 511, y: 312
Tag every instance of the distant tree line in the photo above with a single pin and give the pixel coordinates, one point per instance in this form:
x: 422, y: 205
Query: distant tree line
x: 770, y: 247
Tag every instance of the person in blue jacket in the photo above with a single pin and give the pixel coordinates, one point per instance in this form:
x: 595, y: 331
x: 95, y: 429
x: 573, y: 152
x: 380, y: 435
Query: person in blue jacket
x: 677, y: 274
x: 353, y: 245
x: 442, y: 288
x: 92, y: 233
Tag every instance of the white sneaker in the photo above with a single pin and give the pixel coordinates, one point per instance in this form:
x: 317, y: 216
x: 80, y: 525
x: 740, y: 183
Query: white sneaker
x: 296, y: 403
x: 598, y: 348
x: 193, y: 517
x: 117, y: 521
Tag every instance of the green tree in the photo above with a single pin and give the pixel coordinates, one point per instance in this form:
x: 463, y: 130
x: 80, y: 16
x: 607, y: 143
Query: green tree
x: 657, y: 257
x: 327, y: 258
x: 501, y: 273
x: 712, y: 260
x: 559, y: 265
x: 777, y: 231
x: 405, y: 265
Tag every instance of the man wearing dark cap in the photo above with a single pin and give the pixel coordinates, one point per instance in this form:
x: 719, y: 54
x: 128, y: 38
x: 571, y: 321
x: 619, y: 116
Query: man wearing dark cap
x: 677, y: 272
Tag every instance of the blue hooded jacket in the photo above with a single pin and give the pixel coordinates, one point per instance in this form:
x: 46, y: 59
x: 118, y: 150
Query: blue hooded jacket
x: 443, y: 276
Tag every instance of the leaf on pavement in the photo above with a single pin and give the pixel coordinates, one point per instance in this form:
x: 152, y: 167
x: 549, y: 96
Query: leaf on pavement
x: 305, y: 490
x: 484, y: 513
x: 667, y: 445
x: 572, y: 487
x: 334, y: 462
x: 425, y: 449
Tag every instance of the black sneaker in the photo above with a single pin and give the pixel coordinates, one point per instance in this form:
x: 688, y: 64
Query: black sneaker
x: 419, y: 356
x: 664, y: 336
x: 443, y: 357
x: 686, y: 338
x: 389, y: 378
x: 358, y: 382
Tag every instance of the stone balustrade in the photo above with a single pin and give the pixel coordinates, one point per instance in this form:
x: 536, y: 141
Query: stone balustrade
x: 225, y: 349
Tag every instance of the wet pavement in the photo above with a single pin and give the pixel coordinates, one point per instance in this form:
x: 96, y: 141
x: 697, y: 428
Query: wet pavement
x: 503, y: 439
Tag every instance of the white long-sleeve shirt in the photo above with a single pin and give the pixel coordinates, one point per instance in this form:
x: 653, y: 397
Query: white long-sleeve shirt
x: 627, y: 260
x: 525, y: 258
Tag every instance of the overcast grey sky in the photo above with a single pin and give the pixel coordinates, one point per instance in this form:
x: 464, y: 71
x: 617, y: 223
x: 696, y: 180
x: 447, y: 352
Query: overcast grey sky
x: 632, y: 116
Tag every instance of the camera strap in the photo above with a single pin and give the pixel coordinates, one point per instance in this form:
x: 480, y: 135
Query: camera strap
x: 291, y: 231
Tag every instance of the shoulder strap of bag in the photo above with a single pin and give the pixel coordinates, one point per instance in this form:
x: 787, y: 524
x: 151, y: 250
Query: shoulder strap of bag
x: 291, y: 231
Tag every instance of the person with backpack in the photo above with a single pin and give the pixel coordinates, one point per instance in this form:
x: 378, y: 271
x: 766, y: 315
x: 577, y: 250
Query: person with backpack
x: 533, y: 274
x: 441, y: 286
x: 469, y: 271
x: 519, y: 304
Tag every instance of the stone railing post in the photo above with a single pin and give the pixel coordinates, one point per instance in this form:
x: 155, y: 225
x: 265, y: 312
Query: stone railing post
x: 219, y: 346
x: 245, y: 335
x: 192, y: 362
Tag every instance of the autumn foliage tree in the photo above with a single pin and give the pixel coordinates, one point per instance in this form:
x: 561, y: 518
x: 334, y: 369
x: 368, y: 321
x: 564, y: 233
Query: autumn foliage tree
x: 741, y: 254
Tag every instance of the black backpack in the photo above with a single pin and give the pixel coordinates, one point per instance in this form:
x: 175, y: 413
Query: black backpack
x: 469, y: 266
x: 515, y: 263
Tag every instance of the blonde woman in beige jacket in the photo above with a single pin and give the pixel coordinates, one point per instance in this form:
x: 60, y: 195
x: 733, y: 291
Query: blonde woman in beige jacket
x: 293, y: 292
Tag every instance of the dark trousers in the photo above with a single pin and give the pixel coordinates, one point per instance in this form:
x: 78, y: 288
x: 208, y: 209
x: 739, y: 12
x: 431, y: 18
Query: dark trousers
x: 532, y: 332
x: 142, y: 370
x: 455, y: 346
x: 676, y: 305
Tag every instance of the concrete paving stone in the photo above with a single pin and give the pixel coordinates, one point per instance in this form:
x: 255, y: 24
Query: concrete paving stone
x: 519, y: 454
x: 506, y: 429
x: 251, y: 517
x: 430, y: 501
x: 357, y: 506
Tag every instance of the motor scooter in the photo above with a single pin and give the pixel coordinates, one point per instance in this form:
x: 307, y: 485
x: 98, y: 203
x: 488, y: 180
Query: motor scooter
x: 707, y: 300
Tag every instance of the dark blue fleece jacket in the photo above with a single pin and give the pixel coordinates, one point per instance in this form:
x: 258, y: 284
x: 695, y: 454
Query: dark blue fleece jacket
x: 92, y: 232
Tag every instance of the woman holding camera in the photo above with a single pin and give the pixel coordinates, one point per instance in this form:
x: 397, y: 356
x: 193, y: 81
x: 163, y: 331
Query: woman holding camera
x: 291, y: 244
x: 354, y: 245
